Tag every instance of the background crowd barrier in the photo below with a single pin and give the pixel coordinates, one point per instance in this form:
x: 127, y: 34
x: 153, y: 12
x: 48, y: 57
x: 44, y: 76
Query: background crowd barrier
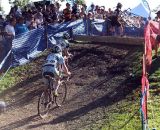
x: 26, y: 46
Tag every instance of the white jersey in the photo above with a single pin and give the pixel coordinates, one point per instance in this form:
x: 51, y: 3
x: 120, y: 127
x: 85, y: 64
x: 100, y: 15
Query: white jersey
x: 54, y: 59
x: 63, y: 43
x: 60, y: 42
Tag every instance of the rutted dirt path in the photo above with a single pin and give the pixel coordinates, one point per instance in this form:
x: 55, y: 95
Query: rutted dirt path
x: 100, y: 75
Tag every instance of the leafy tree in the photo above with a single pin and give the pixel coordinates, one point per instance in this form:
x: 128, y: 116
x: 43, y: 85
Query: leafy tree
x: 20, y: 3
x: 80, y: 2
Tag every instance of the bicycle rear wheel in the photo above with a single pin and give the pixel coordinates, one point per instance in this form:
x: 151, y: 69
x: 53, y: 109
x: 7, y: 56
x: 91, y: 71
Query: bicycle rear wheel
x: 44, y: 104
x: 62, y: 93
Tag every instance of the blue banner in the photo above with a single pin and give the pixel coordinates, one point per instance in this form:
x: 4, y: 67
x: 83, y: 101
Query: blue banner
x: 26, y: 46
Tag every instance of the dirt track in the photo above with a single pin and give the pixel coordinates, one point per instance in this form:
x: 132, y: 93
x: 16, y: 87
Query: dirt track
x: 100, y: 80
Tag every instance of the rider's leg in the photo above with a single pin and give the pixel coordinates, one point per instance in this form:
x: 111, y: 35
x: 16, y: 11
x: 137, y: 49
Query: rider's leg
x: 57, y: 84
x: 45, y: 89
x: 57, y: 77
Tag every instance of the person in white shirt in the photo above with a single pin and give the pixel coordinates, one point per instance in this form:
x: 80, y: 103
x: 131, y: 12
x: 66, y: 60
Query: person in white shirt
x: 9, y: 34
x: 39, y: 17
x: 98, y: 14
x: 9, y: 29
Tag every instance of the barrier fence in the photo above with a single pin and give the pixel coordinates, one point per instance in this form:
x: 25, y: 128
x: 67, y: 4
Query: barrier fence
x: 151, y: 31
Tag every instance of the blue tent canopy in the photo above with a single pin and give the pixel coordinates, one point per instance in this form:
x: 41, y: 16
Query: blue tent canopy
x: 141, y: 11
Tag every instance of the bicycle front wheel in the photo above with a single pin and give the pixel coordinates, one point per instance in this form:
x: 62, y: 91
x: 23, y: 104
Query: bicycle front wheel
x: 62, y: 93
x: 44, y: 104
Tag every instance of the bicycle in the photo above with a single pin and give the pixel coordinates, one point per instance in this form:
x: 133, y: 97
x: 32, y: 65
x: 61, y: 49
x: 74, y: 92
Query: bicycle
x: 47, y: 97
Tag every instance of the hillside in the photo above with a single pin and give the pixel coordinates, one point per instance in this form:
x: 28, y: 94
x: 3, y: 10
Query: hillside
x: 103, y: 92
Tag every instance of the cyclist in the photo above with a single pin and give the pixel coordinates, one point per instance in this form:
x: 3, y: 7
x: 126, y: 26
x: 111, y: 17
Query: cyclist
x: 64, y: 43
x: 65, y: 46
x: 53, y: 66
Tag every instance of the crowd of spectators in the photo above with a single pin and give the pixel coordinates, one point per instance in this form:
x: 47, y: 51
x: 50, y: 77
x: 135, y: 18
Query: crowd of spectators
x: 21, y: 20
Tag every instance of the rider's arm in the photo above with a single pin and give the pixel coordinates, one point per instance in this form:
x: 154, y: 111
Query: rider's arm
x: 65, y: 68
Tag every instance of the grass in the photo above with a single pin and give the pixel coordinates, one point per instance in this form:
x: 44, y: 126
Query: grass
x: 154, y: 98
x: 17, y: 74
x: 13, y: 77
x: 125, y: 114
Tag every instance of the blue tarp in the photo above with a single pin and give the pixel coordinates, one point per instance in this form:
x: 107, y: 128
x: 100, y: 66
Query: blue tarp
x: 26, y: 46
x: 141, y: 11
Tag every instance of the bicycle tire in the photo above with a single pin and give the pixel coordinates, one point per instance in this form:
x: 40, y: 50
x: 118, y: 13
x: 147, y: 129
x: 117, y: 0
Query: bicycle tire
x: 41, y: 104
x: 62, y: 93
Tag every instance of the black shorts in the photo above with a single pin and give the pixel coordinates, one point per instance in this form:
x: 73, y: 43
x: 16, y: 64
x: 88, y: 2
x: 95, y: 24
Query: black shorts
x: 48, y: 73
x: 115, y: 22
x: 158, y: 38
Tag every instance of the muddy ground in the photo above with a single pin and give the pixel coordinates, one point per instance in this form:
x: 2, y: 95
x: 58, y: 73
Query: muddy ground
x: 101, y: 76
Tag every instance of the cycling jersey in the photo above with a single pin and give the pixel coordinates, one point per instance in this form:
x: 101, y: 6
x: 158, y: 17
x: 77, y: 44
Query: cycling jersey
x: 63, y: 43
x: 60, y: 42
x: 51, y: 64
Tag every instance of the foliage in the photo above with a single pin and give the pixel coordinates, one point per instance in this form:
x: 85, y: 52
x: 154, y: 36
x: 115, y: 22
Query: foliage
x: 80, y: 2
x: 20, y: 3
x: 13, y: 77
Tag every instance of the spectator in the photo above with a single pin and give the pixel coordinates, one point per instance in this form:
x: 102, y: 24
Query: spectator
x: 92, y: 9
x: 20, y: 26
x: 33, y: 24
x: 82, y: 13
x: 115, y: 20
x: 75, y: 10
x: 59, y: 13
x: 53, y: 13
x: 38, y: 18
x: 9, y: 29
x: 67, y: 13
x: 90, y: 16
x: 98, y: 14
x: 103, y: 12
x: 9, y: 34
x: 48, y: 14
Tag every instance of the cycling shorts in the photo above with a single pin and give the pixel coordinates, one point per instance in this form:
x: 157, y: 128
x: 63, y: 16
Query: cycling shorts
x: 51, y: 71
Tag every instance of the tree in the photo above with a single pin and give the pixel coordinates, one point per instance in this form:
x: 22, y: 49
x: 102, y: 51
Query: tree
x: 20, y: 3
x: 80, y: 2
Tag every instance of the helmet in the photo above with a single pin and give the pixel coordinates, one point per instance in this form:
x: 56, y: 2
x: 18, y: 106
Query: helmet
x: 66, y: 36
x: 56, y: 49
